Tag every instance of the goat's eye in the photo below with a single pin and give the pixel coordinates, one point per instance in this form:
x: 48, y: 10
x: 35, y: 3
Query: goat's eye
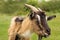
x: 43, y: 15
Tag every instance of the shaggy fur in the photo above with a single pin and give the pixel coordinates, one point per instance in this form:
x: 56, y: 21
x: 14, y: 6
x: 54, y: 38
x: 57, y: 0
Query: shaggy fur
x: 14, y: 27
x: 29, y: 25
x: 21, y: 27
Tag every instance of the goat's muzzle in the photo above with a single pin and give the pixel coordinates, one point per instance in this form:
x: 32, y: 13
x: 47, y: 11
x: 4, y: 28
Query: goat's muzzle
x: 48, y: 32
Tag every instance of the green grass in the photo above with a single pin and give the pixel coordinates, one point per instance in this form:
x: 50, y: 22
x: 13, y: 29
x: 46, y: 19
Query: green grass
x: 54, y: 25
x: 4, y: 24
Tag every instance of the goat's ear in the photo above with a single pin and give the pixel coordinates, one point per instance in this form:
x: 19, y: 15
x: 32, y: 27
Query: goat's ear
x: 51, y: 17
x: 32, y: 15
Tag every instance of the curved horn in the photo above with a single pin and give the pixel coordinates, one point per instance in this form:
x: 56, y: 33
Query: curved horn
x: 40, y: 9
x: 32, y: 8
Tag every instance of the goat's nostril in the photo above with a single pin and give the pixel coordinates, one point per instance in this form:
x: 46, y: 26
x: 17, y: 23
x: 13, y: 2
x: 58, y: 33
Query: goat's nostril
x: 48, y: 30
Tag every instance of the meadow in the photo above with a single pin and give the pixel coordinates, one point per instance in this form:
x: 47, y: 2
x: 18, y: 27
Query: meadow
x: 53, y: 24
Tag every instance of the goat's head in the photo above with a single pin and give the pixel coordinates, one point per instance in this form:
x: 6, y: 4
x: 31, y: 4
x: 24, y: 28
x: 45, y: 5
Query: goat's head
x: 42, y: 19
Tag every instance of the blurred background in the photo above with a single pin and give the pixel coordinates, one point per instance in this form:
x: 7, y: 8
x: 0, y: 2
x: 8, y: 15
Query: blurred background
x: 10, y: 8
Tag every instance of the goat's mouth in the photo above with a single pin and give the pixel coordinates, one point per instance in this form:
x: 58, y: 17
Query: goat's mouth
x: 46, y: 35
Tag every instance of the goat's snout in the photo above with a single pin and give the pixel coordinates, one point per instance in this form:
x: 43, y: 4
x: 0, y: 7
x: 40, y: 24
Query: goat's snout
x: 48, y: 31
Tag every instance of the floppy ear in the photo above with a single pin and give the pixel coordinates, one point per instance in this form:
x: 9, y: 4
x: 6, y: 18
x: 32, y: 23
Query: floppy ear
x: 51, y: 17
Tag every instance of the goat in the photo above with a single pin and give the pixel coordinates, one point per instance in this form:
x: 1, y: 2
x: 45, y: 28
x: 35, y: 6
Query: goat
x: 33, y: 25
x: 43, y: 18
x: 17, y: 21
x: 40, y: 26
x: 15, y: 27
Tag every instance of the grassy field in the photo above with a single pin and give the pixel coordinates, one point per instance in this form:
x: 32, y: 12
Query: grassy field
x: 54, y: 25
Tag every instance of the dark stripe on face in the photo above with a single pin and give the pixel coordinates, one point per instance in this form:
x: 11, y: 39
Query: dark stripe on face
x: 39, y: 22
x: 44, y: 23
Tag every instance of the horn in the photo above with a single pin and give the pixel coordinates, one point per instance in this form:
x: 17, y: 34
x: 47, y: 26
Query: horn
x: 32, y: 8
x: 40, y: 9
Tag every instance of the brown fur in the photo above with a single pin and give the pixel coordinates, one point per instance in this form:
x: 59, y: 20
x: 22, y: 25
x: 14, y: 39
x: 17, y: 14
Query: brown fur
x: 30, y: 25
x: 18, y: 27
x: 27, y: 24
x: 13, y: 29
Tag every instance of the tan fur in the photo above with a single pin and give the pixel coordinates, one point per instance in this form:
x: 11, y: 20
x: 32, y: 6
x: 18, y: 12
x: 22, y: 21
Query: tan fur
x: 27, y: 24
x: 13, y: 29
x: 20, y: 28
